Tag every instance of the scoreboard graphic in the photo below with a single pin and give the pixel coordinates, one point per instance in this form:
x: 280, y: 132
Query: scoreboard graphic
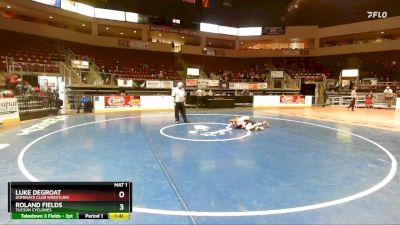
x: 70, y: 200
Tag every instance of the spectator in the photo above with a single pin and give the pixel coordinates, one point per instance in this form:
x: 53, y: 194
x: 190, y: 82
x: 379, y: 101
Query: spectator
x: 199, y: 92
x: 353, y: 99
x: 103, y: 74
x: 83, y: 103
x: 24, y: 86
x: 369, y: 100
x: 388, y: 93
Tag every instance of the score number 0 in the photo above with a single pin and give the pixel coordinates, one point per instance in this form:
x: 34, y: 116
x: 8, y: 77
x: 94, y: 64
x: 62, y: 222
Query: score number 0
x: 121, y: 194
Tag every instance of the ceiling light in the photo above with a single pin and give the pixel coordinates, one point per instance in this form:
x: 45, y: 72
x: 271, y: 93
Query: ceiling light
x: 107, y: 28
x: 83, y: 25
x: 183, y: 37
x: 50, y: 17
x: 122, y: 33
x: 159, y: 34
x: 382, y: 32
x: 134, y: 31
x: 8, y: 7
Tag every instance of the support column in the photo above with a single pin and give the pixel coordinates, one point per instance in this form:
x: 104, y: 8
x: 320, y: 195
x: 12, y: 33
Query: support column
x: 203, y: 43
x: 145, y: 35
x: 237, y: 43
x: 95, y: 29
x: 316, y: 42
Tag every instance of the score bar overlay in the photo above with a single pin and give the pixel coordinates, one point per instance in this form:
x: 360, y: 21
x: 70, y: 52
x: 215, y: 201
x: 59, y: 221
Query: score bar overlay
x: 70, y: 200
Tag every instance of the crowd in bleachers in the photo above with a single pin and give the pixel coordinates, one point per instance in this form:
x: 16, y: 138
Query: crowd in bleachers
x: 241, y: 76
x: 40, y: 54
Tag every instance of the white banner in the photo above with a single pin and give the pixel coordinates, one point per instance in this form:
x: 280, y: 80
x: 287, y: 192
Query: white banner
x: 125, y: 43
x: 262, y: 86
x: 8, y: 109
x: 153, y: 84
x: 277, y: 74
x: 166, y: 84
x: 125, y: 83
x: 202, y: 83
x: 213, y: 83
x: 206, y: 83
x: 81, y: 64
x: 239, y: 86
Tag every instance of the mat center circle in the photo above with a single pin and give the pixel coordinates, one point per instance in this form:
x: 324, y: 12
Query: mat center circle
x: 203, y: 132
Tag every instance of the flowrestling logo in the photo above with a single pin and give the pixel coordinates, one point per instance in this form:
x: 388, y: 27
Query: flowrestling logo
x: 42, y: 125
x: 377, y: 14
x: 204, y: 130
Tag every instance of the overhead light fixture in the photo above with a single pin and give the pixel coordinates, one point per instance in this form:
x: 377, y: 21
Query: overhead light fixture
x: 83, y: 25
x: 122, y: 33
x: 8, y: 7
x: 50, y: 17
x: 183, y: 37
x: 382, y: 32
x: 134, y: 31
x: 241, y: 42
x: 107, y: 28
x: 159, y: 34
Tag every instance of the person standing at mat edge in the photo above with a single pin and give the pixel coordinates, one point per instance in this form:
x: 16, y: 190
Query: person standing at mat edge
x: 353, y: 99
x: 179, y: 95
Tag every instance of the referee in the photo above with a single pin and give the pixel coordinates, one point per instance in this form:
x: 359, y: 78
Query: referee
x: 178, y: 93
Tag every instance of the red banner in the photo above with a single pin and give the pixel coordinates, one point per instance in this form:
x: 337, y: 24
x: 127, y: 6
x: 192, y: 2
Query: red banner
x: 253, y: 86
x: 292, y: 99
x: 191, y: 82
x: 121, y: 101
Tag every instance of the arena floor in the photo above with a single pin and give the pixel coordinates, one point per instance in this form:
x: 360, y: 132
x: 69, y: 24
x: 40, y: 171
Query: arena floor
x: 312, y: 166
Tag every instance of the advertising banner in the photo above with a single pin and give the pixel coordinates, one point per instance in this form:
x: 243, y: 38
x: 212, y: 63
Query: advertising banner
x: 253, y: 86
x: 292, y: 99
x: 166, y: 84
x: 121, y: 101
x: 80, y: 64
x: 139, y: 83
x: 202, y: 83
x: 124, y: 43
x: 213, y: 83
x: 277, y: 74
x: 8, y: 109
x: 262, y: 86
x: 191, y: 82
x: 174, y: 30
x: 153, y: 84
x: 124, y: 83
x: 239, y: 86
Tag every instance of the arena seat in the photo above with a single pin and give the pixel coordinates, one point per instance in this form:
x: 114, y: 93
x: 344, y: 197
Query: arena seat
x: 34, y: 53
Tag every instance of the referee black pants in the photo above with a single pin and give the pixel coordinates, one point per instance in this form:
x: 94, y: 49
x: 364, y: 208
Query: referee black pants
x: 180, y: 107
x: 352, y: 104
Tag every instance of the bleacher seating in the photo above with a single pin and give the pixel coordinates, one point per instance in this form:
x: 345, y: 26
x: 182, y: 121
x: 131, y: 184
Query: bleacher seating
x: 130, y: 63
x: 39, y: 54
x: 33, y: 53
